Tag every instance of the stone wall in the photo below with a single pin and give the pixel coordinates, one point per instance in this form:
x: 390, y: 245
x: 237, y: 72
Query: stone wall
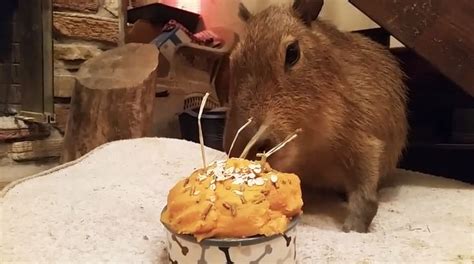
x: 82, y: 29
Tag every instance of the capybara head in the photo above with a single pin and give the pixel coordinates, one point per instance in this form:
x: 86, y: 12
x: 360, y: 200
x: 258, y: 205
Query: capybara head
x: 293, y: 71
x: 279, y: 62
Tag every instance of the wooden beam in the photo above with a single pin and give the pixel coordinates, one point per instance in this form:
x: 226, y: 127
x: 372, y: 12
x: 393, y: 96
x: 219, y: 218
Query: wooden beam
x: 441, y: 31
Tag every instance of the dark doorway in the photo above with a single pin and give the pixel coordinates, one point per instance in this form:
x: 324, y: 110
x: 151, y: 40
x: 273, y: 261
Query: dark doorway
x: 26, y: 64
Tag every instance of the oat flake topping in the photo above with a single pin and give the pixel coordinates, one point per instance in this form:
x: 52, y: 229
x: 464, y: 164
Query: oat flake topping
x: 218, y: 172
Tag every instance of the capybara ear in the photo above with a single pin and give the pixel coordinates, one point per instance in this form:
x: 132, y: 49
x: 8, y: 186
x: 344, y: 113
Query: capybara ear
x: 308, y: 10
x: 244, y: 13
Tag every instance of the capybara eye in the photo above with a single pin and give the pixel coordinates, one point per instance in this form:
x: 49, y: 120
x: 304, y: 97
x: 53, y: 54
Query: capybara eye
x: 292, y: 54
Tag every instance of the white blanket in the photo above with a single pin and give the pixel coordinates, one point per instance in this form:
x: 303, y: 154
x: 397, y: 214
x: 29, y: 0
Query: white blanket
x: 106, y: 207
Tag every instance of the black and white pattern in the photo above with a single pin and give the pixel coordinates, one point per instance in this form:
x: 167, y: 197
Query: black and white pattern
x: 281, y: 250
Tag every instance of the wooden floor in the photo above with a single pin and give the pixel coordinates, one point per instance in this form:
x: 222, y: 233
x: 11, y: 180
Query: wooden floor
x: 11, y: 171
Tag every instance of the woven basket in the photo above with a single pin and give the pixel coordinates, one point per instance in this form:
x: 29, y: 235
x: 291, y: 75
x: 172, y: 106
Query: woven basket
x: 193, y: 101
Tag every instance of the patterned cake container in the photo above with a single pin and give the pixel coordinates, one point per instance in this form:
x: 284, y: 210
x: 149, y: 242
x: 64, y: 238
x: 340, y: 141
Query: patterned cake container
x: 278, y: 249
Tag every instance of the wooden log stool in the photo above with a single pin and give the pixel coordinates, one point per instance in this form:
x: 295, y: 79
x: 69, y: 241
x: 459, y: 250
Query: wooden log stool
x: 112, y: 100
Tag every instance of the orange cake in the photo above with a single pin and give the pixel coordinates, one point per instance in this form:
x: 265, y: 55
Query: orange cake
x: 233, y: 198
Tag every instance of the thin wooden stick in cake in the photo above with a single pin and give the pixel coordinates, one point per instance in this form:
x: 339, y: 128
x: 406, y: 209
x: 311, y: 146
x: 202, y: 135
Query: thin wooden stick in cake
x: 238, y: 132
x: 201, y: 137
x: 261, y: 131
x: 287, y: 140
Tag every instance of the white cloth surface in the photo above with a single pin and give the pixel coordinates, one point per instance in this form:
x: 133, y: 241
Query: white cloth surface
x: 106, y: 208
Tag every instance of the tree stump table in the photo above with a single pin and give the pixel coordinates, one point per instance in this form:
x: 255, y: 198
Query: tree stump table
x: 112, y: 100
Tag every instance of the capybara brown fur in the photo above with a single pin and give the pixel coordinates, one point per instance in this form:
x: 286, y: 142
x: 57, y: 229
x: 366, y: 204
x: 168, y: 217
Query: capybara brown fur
x: 346, y: 92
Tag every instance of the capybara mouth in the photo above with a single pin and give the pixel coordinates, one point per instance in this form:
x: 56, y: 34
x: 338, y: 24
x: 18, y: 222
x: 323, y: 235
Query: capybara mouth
x: 262, y: 147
